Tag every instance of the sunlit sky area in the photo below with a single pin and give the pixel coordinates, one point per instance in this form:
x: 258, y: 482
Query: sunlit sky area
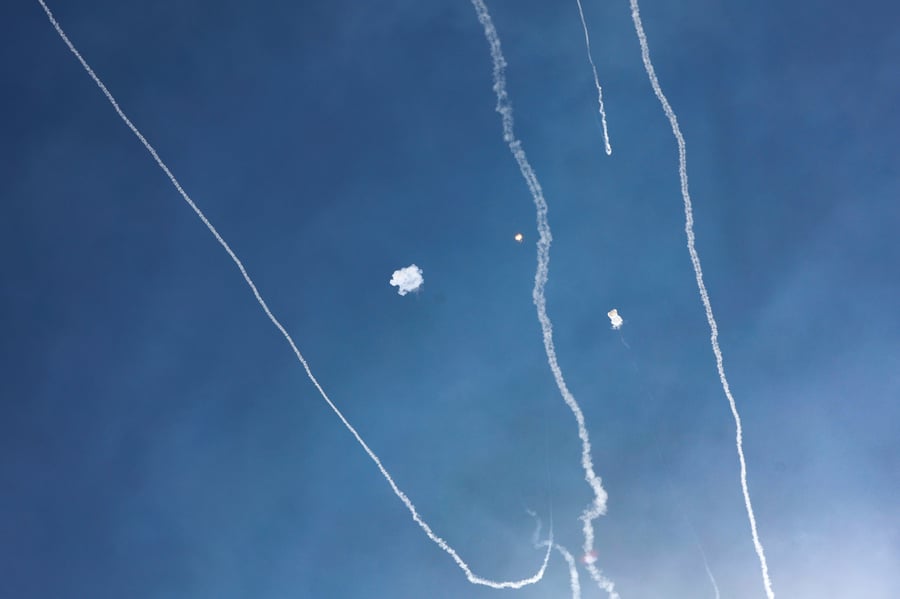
x: 161, y: 440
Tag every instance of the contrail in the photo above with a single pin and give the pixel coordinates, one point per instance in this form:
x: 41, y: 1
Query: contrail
x: 504, y: 107
x: 587, y: 42
x: 472, y: 577
x: 704, y: 296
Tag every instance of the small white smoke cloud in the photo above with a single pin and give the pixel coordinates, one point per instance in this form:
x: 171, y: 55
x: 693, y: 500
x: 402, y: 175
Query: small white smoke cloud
x: 615, y: 319
x: 407, y: 279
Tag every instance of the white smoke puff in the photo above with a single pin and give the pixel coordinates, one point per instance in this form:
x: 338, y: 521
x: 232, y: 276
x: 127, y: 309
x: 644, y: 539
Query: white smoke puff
x: 407, y: 279
x: 615, y: 319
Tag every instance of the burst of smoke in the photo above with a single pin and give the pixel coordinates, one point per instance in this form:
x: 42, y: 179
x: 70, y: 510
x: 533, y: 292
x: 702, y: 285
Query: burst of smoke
x: 407, y: 279
x: 614, y: 319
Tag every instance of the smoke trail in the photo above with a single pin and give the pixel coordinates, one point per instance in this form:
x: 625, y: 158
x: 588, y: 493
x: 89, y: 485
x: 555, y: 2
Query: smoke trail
x: 504, y: 107
x: 704, y: 296
x: 694, y: 534
x: 574, y: 582
x: 587, y: 42
x: 709, y: 573
x: 472, y: 577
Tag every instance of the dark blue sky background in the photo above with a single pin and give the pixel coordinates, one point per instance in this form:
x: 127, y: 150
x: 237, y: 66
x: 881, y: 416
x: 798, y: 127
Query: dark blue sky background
x: 159, y: 440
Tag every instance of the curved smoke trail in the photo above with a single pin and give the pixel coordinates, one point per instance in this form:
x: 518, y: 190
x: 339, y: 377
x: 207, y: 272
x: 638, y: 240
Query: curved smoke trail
x: 598, y: 506
x: 440, y: 542
x: 574, y: 582
x: 704, y: 295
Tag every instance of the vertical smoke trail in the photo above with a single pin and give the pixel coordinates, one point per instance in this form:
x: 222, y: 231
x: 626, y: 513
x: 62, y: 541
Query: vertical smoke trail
x: 704, y: 296
x: 694, y: 534
x: 504, y: 107
x: 712, y: 579
x: 587, y: 42
x: 472, y: 577
x: 574, y: 582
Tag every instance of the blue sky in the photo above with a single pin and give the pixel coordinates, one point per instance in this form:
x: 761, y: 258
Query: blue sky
x: 160, y: 440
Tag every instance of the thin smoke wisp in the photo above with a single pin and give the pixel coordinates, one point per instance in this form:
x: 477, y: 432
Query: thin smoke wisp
x: 600, y: 107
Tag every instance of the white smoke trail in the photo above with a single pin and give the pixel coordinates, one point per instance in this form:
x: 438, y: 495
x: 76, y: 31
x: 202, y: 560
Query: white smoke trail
x: 504, y: 107
x: 704, y: 296
x: 472, y: 577
x: 694, y: 534
x: 712, y: 578
x: 709, y: 572
x: 602, y: 581
x: 587, y: 42
x: 574, y: 582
